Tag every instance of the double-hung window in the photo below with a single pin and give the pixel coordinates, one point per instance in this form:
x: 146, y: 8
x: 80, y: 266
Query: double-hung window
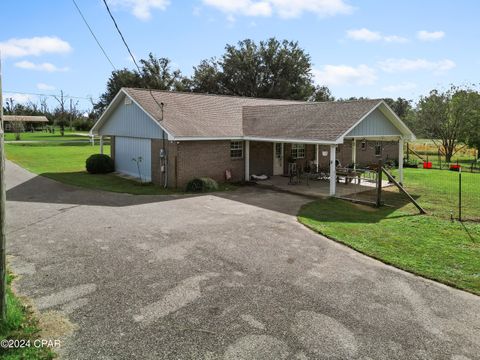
x: 236, y: 149
x: 298, y: 151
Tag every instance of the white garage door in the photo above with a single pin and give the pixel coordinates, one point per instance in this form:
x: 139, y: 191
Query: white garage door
x: 133, y: 157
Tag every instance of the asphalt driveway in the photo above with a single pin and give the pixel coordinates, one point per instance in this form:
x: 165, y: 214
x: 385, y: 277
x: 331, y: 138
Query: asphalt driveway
x: 228, y: 276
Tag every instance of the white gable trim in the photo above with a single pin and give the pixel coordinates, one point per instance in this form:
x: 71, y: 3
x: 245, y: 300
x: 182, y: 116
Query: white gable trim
x: 104, y: 117
x: 391, y: 116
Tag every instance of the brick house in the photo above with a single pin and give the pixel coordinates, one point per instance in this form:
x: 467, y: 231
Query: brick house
x: 169, y: 138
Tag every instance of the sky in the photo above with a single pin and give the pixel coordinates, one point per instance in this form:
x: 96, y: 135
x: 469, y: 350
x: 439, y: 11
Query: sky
x: 370, y: 48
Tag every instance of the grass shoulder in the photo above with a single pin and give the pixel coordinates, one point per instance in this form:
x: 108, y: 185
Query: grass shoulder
x: 21, y: 325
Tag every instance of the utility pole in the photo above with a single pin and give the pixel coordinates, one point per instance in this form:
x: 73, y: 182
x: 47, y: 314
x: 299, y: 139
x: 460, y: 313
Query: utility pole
x: 3, y: 257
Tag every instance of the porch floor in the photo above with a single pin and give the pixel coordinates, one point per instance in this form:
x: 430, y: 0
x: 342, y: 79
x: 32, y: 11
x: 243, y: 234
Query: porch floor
x: 320, y: 188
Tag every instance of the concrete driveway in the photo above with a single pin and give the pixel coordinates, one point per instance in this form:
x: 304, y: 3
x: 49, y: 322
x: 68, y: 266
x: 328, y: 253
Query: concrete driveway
x: 228, y: 276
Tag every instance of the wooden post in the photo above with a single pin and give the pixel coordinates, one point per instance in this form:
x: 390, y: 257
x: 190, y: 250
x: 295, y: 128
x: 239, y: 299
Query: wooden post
x: 101, y: 144
x: 378, y: 201
x: 3, y: 249
x: 460, y: 194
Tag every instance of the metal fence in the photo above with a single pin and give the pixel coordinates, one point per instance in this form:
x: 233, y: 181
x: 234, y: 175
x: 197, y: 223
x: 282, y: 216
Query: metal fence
x: 448, y: 194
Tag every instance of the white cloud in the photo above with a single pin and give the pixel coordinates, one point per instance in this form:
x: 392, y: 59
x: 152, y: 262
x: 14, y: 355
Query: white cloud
x: 333, y: 75
x: 48, y: 67
x: 34, y: 46
x: 424, y: 35
x: 17, y: 98
x: 141, y: 9
x: 43, y: 86
x: 367, y: 35
x: 282, y: 8
x: 404, y: 86
x: 402, y: 65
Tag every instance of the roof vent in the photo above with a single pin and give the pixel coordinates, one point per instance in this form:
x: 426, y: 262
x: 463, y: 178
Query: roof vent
x: 128, y: 101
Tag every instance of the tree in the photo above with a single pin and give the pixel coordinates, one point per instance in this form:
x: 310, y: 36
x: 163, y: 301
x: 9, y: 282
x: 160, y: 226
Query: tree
x: 322, y: 93
x: 445, y: 117
x: 155, y: 73
x: 207, y: 77
x: 471, y: 134
x: 269, y: 69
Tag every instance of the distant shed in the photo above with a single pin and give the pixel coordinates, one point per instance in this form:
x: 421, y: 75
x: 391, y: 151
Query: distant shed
x: 29, y: 121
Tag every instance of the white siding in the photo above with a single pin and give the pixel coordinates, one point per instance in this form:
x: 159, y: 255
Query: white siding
x: 127, y: 149
x: 375, y: 124
x: 129, y: 120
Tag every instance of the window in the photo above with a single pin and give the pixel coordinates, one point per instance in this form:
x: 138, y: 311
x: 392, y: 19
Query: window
x: 236, y: 149
x: 278, y: 150
x: 298, y: 151
x: 378, y: 149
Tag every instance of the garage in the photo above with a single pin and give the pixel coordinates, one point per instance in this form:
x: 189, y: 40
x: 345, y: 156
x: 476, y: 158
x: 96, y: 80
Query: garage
x: 133, y: 157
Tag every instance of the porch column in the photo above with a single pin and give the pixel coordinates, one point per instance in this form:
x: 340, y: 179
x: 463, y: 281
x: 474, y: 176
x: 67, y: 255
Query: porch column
x: 400, y: 160
x: 333, y: 170
x: 354, y: 153
x: 247, y: 160
x: 317, y: 157
x: 101, y: 144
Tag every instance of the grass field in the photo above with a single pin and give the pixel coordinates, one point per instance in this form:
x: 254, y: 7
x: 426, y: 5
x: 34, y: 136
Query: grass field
x: 429, y: 245
x: 428, y: 150
x: 66, y: 163
x: 21, y: 325
x: 44, y: 136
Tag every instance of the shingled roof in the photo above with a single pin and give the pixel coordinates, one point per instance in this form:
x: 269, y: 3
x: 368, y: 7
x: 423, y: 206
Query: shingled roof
x: 25, y: 118
x: 197, y: 115
x: 309, y: 121
x: 191, y: 116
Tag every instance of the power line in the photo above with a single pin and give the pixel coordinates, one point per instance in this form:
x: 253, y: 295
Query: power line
x: 93, y: 34
x: 121, y: 35
x: 50, y: 95
x: 160, y: 105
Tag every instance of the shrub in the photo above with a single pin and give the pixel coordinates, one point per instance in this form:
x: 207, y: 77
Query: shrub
x: 100, y: 164
x: 82, y: 124
x: 203, y: 184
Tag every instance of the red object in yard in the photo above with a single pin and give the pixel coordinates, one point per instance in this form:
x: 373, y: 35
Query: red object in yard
x: 427, y: 164
x: 455, y: 167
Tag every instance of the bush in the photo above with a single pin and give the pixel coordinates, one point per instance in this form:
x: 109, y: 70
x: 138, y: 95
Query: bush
x: 204, y: 184
x: 82, y: 124
x: 100, y: 164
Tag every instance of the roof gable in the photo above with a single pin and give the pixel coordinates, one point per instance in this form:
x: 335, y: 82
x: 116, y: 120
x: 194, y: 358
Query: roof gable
x: 326, y: 121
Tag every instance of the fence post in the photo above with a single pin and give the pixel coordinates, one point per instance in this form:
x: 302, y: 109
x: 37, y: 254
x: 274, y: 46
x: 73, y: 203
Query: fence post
x: 460, y: 194
x: 379, y: 184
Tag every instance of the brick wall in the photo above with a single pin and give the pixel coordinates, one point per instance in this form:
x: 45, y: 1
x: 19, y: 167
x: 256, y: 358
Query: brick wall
x: 364, y: 157
x: 190, y: 159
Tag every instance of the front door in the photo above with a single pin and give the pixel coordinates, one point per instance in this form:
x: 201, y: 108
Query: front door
x: 278, y: 159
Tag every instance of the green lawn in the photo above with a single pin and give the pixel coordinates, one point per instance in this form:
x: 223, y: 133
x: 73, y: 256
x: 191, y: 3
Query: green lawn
x: 429, y: 245
x: 21, y: 325
x: 44, y: 136
x: 66, y: 163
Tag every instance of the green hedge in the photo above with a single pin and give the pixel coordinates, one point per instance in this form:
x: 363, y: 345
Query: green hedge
x: 204, y: 184
x: 100, y: 164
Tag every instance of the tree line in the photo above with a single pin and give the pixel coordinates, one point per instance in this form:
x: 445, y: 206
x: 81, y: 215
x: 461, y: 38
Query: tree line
x: 282, y: 70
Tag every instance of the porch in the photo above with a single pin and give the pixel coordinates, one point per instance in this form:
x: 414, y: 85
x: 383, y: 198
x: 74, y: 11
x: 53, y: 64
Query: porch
x: 312, y: 186
x: 312, y: 163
